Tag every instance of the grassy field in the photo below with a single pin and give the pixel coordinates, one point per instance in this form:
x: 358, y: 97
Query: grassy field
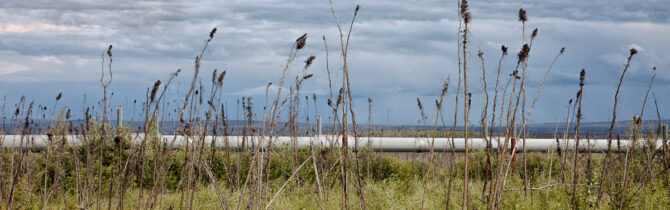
x: 390, y: 181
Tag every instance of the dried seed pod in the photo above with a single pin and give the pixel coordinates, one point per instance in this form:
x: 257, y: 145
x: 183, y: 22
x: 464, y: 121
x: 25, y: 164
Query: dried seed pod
x: 221, y: 77
x: 307, y: 76
x: 309, y: 60
x: 466, y: 17
x: 523, y: 54
x: 464, y: 6
x: 109, y: 51
x: 301, y: 41
x: 522, y: 15
x: 211, y: 34
x: 445, y: 87
x: 582, y: 74
x: 154, y: 90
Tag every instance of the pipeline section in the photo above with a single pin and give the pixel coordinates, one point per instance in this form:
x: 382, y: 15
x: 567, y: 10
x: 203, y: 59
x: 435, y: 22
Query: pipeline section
x: 387, y: 144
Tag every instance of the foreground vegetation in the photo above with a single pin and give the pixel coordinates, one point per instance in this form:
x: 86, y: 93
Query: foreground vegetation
x: 391, y: 181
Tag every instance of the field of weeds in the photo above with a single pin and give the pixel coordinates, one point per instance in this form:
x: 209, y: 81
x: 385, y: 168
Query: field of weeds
x: 108, y: 171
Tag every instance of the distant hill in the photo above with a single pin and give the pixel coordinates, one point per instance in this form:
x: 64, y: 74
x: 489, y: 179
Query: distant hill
x: 237, y: 127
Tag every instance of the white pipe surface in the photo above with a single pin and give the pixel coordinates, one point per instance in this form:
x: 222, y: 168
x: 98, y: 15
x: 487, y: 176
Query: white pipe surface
x: 389, y: 144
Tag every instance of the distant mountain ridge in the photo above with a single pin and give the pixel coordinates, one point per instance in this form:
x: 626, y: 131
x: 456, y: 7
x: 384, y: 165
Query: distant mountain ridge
x: 236, y: 127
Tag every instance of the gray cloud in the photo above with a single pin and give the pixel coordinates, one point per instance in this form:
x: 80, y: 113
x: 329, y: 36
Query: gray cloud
x: 399, y: 51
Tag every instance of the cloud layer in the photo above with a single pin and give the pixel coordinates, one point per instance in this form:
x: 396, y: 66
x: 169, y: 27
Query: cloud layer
x: 399, y: 50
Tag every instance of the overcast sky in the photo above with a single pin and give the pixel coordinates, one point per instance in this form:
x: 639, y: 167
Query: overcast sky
x: 399, y: 50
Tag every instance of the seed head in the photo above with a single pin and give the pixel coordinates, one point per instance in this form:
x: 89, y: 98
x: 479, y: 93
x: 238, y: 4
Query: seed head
x: 154, y: 90
x: 504, y: 50
x: 214, y: 76
x: 211, y: 34
x: 562, y: 50
x: 445, y: 87
x: 480, y: 54
x: 582, y: 74
x: 466, y: 17
x: 356, y: 10
x: 369, y: 100
x: 522, y: 15
x: 523, y: 54
x: 464, y: 6
x: 633, y: 51
x: 534, y: 34
x: 307, y: 76
x: 464, y: 11
x: 418, y: 103
x: 221, y: 77
x: 570, y: 101
x: 309, y: 60
x: 59, y: 96
x: 300, y: 42
x: 109, y: 51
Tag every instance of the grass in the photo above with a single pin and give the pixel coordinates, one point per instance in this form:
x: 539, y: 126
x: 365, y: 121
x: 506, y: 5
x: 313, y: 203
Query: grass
x: 394, y: 183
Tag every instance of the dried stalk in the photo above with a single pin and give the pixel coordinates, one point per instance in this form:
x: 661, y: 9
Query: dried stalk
x: 580, y: 95
x: 633, y: 51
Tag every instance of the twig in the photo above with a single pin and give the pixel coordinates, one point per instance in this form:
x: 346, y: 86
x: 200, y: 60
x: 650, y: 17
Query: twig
x: 286, y: 182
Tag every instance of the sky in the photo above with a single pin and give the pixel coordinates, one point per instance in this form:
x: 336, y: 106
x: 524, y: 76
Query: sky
x: 399, y: 51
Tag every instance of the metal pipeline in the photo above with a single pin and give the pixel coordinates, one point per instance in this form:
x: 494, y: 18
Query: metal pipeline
x: 388, y: 144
